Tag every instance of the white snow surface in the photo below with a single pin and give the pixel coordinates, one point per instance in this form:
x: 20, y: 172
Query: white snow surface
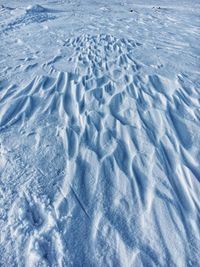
x: 99, y: 133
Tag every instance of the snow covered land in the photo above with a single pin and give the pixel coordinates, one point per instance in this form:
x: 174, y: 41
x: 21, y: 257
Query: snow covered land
x: 99, y: 133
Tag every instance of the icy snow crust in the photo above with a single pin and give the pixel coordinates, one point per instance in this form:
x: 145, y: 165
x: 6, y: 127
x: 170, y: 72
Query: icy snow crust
x: 99, y: 133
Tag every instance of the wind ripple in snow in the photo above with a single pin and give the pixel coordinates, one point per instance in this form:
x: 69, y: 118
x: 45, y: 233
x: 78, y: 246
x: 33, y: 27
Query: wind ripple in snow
x: 106, y: 163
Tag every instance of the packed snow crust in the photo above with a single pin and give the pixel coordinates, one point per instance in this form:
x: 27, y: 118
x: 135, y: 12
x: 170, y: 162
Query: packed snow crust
x: 99, y: 133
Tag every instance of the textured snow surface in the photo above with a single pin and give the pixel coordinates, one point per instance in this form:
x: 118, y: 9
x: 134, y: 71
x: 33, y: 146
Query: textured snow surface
x: 99, y: 133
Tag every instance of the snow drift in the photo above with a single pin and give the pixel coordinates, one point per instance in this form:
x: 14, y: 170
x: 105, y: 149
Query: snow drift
x: 99, y: 138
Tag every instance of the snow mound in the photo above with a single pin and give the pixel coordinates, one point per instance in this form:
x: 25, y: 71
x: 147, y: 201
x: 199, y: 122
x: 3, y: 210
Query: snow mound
x: 36, y: 9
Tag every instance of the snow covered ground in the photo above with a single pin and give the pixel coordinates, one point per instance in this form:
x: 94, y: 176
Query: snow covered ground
x: 99, y: 133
